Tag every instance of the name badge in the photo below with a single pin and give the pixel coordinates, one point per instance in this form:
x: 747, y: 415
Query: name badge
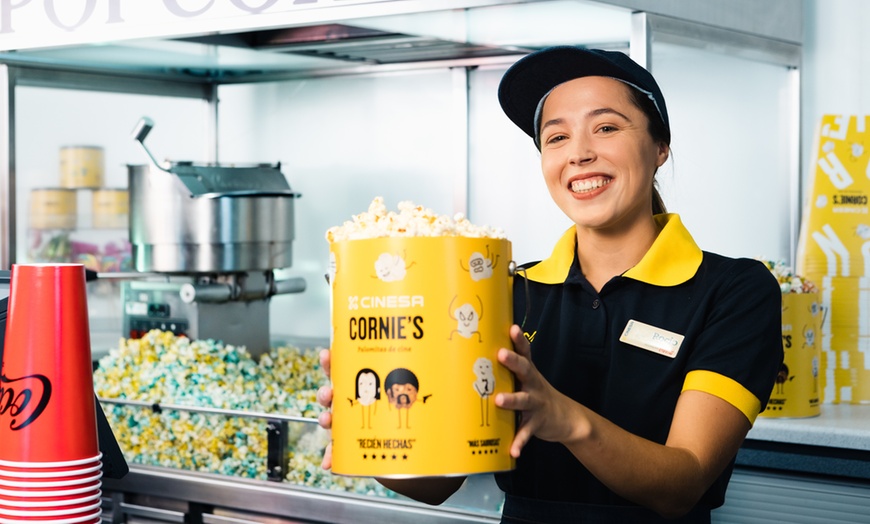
x: 651, y: 338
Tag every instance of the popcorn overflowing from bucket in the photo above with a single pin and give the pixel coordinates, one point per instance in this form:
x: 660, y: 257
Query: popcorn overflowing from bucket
x: 789, y: 282
x: 410, y: 221
x: 420, y: 305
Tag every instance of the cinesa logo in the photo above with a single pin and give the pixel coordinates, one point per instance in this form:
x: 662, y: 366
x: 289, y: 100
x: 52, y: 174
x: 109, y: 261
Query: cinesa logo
x: 386, y: 302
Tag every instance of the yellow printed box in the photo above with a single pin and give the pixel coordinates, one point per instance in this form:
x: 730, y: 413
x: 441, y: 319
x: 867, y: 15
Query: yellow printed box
x: 416, y: 326
x: 835, y: 237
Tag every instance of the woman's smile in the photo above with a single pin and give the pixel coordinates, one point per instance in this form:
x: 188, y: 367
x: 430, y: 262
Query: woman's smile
x: 588, y: 185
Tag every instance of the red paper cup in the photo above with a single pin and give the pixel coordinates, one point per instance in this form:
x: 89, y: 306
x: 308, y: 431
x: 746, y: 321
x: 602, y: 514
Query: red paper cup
x: 49, y: 492
x: 47, y: 502
x: 47, y: 474
x: 30, y: 481
x: 50, y: 466
x: 90, y: 516
x: 47, y: 409
x: 54, y: 484
x: 85, y: 508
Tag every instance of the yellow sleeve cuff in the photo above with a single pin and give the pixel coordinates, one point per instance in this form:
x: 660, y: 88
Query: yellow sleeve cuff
x: 725, y: 388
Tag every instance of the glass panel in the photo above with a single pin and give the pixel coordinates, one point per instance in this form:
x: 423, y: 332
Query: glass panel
x: 729, y: 176
x: 71, y: 204
x: 506, y: 188
x: 341, y: 142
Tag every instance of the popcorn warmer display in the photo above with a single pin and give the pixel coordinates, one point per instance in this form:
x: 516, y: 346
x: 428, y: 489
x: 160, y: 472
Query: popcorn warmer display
x: 164, y: 369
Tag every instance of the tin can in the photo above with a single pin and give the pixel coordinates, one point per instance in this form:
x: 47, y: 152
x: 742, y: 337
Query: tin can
x: 81, y: 166
x: 111, y: 208
x: 416, y: 326
x: 53, y: 208
x: 797, y: 389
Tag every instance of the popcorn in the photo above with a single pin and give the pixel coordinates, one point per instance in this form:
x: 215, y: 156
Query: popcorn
x: 162, y: 368
x: 410, y: 221
x: 788, y: 281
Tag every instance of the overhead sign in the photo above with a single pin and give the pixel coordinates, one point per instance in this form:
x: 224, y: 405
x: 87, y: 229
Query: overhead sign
x: 28, y: 24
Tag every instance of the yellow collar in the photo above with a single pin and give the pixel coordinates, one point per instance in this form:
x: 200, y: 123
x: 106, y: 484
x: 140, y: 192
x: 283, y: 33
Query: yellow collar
x: 671, y: 260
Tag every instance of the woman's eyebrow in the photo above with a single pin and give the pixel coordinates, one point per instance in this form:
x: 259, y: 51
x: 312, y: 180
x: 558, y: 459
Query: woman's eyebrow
x: 607, y: 111
x: 552, y: 122
x: 595, y: 112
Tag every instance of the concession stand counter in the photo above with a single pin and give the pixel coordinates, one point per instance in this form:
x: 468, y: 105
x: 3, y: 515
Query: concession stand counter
x: 228, y: 81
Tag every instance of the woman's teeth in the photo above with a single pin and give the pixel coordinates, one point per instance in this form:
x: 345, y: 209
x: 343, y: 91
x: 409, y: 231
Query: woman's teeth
x: 584, y: 186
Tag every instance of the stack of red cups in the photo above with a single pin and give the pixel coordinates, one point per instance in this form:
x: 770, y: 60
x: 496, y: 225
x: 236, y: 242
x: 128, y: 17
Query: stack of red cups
x: 50, y: 463
x: 57, y: 492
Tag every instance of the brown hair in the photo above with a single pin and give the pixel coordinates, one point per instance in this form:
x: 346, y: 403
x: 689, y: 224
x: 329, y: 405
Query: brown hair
x: 659, y: 132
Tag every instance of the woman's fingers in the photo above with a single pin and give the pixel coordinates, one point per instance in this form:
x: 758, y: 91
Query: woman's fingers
x: 326, y: 361
x: 514, y: 361
x: 324, y: 396
x: 325, y: 419
x: 518, y: 401
x: 521, y: 343
x: 532, y: 396
x: 326, y: 463
x: 524, y: 433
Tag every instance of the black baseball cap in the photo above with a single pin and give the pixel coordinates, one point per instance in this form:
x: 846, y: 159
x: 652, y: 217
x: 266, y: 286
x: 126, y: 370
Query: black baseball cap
x: 532, y: 77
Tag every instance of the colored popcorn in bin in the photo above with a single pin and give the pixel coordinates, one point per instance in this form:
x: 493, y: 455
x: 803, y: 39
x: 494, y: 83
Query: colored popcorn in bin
x: 411, y: 221
x: 788, y: 281
x: 162, y: 368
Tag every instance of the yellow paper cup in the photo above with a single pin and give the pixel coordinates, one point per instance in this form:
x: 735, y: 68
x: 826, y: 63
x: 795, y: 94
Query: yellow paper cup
x: 416, y: 326
x: 797, y: 389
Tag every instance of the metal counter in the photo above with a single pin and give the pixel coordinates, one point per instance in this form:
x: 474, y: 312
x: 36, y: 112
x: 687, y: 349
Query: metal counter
x: 152, y: 494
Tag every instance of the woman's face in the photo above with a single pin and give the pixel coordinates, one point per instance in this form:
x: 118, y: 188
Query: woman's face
x: 597, y: 156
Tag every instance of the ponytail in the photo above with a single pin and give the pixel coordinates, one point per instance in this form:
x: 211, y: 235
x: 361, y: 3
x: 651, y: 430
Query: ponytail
x: 658, y: 205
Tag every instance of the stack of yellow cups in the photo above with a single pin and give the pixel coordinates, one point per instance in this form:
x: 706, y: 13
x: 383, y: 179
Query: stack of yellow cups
x: 834, y: 252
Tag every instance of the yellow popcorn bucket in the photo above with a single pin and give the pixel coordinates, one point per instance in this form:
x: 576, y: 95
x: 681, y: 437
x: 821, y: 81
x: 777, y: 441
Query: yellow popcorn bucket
x: 81, y: 166
x: 53, y: 208
x: 416, y: 326
x: 797, y: 389
x: 110, y: 208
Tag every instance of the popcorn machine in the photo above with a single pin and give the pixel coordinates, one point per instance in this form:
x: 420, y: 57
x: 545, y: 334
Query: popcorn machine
x: 212, y: 235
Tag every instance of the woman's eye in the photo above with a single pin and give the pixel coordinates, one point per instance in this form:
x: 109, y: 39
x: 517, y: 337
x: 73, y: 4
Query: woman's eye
x: 607, y: 128
x: 556, y: 138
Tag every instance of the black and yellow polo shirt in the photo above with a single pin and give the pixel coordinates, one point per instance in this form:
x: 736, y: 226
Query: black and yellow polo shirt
x: 696, y: 321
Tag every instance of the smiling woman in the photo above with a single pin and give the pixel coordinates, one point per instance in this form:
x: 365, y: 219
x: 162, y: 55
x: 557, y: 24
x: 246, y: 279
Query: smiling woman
x: 599, y: 161
x: 642, y: 361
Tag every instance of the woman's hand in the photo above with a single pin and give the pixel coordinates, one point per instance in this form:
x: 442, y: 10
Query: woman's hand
x: 324, y: 398
x: 705, y: 434
x: 546, y: 413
